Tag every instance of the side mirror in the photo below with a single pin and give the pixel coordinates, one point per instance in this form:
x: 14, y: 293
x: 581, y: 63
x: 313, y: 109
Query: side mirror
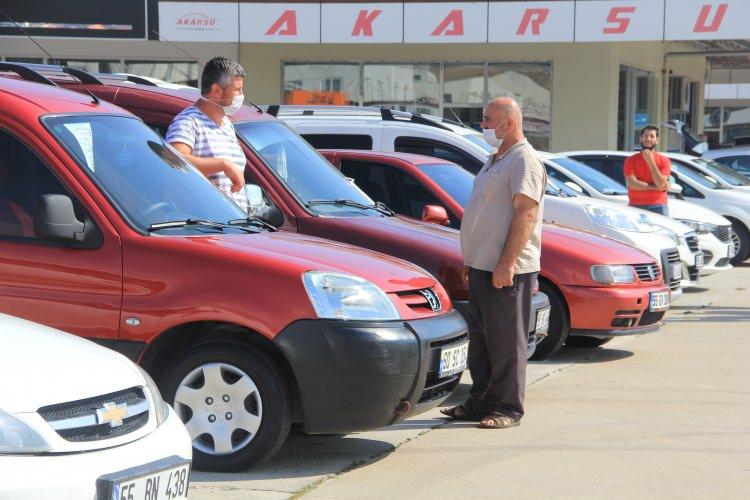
x: 575, y: 187
x: 674, y: 188
x: 435, y: 214
x: 273, y: 216
x: 254, y: 196
x: 55, y: 219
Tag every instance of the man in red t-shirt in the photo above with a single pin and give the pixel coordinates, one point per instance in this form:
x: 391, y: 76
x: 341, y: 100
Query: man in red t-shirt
x: 647, y: 174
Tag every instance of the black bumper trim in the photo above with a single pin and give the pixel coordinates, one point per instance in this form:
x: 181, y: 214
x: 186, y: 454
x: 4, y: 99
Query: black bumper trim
x: 353, y: 375
x: 605, y: 334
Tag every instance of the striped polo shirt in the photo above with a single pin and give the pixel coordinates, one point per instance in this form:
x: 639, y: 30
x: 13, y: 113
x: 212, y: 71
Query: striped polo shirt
x: 208, y: 140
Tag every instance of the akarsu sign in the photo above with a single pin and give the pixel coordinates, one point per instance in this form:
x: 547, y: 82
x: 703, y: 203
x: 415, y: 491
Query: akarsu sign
x: 456, y: 22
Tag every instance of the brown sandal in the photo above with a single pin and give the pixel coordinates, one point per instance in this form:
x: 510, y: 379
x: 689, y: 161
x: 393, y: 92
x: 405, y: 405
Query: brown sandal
x: 459, y: 413
x: 497, y: 420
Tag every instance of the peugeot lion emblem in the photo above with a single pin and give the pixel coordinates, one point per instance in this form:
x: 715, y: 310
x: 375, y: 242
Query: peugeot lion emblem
x: 432, y: 299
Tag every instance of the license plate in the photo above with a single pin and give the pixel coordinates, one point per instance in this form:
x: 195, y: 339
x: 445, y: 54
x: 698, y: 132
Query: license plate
x: 730, y: 251
x: 169, y: 483
x: 677, y: 270
x: 453, y: 360
x: 658, y: 301
x: 542, y: 321
x: 699, y: 260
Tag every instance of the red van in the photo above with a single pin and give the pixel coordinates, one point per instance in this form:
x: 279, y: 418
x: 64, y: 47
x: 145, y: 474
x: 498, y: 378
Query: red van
x: 300, y: 191
x: 584, y: 311
x: 107, y: 233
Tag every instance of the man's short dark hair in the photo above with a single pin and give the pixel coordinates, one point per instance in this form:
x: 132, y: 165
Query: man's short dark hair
x: 219, y: 70
x: 650, y: 127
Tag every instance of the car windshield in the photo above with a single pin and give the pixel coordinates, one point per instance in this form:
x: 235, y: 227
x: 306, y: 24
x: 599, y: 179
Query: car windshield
x: 143, y: 177
x: 726, y: 174
x: 304, y: 172
x: 699, y: 177
x: 594, y: 178
x: 478, y: 139
x: 452, y: 179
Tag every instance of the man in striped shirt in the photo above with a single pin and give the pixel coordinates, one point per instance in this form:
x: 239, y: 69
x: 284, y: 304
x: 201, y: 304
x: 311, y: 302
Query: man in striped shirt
x: 203, y: 134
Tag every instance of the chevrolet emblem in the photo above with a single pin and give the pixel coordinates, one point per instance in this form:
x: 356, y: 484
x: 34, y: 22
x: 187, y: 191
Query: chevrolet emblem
x: 112, y: 414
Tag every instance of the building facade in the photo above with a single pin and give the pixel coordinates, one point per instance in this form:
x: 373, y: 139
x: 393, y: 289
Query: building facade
x: 587, y: 73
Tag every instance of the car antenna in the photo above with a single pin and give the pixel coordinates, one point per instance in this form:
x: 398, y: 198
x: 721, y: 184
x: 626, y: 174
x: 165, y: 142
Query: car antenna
x: 65, y: 69
x: 456, y: 116
x: 161, y: 37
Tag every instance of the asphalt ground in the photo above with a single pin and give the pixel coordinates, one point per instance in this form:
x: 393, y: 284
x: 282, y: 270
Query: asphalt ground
x: 651, y: 416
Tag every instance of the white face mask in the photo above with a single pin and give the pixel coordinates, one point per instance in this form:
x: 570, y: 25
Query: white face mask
x: 237, y: 102
x: 491, y: 138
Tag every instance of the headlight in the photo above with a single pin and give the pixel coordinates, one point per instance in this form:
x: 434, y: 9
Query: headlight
x: 343, y: 296
x: 699, y: 227
x: 17, y: 437
x: 613, y: 274
x: 161, y: 409
x: 671, y: 235
x: 617, y: 219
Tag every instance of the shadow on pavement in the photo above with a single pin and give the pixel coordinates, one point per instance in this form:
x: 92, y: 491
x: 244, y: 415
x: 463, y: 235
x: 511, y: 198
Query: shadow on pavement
x: 308, y: 456
x: 585, y: 355
x: 713, y: 314
x: 695, y: 289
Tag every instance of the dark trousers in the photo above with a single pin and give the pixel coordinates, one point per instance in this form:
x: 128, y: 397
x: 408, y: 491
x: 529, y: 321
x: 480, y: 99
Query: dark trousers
x: 498, y: 343
x: 659, y: 209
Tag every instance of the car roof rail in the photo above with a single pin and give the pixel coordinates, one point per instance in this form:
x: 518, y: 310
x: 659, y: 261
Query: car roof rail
x: 35, y: 72
x: 125, y: 77
x: 384, y: 113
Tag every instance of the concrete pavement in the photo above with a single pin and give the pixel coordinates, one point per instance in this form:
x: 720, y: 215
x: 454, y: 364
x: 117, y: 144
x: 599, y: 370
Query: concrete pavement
x: 652, y: 416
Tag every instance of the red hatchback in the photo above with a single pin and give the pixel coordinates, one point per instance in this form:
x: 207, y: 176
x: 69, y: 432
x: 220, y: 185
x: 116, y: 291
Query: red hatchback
x: 107, y: 233
x: 576, y: 265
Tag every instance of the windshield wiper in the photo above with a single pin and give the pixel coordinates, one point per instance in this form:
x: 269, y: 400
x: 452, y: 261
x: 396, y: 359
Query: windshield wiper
x: 252, y: 221
x: 194, y: 223
x: 378, y: 206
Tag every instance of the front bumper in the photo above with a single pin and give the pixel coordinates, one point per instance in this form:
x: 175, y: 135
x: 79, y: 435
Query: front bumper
x: 354, y: 376
x: 690, y: 272
x: 74, y: 475
x: 612, y: 311
x: 717, y: 254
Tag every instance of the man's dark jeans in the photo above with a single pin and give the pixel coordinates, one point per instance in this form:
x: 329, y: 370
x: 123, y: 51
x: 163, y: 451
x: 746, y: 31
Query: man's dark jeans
x: 498, y: 343
x: 659, y: 209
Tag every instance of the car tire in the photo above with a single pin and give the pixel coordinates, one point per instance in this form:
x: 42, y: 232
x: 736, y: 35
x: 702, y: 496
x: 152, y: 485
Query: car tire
x: 237, y: 383
x: 743, y: 238
x: 559, y: 324
x: 582, y: 341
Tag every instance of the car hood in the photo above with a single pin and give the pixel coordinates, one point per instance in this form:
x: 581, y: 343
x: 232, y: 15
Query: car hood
x: 588, y: 248
x: 41, y: 366
x: 298, y: 253
x: 681, y: 209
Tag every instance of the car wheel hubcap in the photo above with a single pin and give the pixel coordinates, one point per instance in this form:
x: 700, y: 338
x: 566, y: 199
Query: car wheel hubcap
x: 737, y: 243
x: 220, y: 406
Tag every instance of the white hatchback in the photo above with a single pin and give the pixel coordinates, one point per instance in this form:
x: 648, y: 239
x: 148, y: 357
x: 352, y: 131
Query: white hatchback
x: 79, y: 421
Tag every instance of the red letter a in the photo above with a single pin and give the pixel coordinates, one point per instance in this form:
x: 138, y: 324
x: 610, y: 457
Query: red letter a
x: 456, y: 19
x: 288, y: 20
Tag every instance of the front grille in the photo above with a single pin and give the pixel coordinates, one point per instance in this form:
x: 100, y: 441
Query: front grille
x: 723, y: 233
x: 651, y: 317
x: 707, y: 256
x: 694, y: 273
x: 668, y: 258
x: 77, y: 421
x: 692, y: 242
x: 648, y: 272
x: 417, y: 301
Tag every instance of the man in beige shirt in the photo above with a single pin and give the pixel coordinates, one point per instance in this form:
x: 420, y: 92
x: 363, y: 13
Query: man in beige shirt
x: 501, y: 236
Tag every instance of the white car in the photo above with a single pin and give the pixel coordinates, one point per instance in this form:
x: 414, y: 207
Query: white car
x: 80, y: 421
x: 348, y: 127
x: 735, y: 158
x: 564, y: 206
x: 715, y: 229
x: 723, y: 174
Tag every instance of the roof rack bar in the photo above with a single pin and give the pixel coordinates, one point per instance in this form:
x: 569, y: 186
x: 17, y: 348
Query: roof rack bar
x: 84, y: 77
x: 26, y: 73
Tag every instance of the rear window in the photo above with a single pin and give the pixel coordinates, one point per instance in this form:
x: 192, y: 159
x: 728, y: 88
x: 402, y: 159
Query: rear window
x: 339, y: 141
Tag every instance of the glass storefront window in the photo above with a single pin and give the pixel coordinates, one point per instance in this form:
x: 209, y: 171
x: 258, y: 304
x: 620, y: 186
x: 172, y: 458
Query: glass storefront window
x: 406, y: 87
x: 531, y: 86
x: 180, y: 72
x: 464, y: 93
x: 93, y: 66
x: 335, y: 84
